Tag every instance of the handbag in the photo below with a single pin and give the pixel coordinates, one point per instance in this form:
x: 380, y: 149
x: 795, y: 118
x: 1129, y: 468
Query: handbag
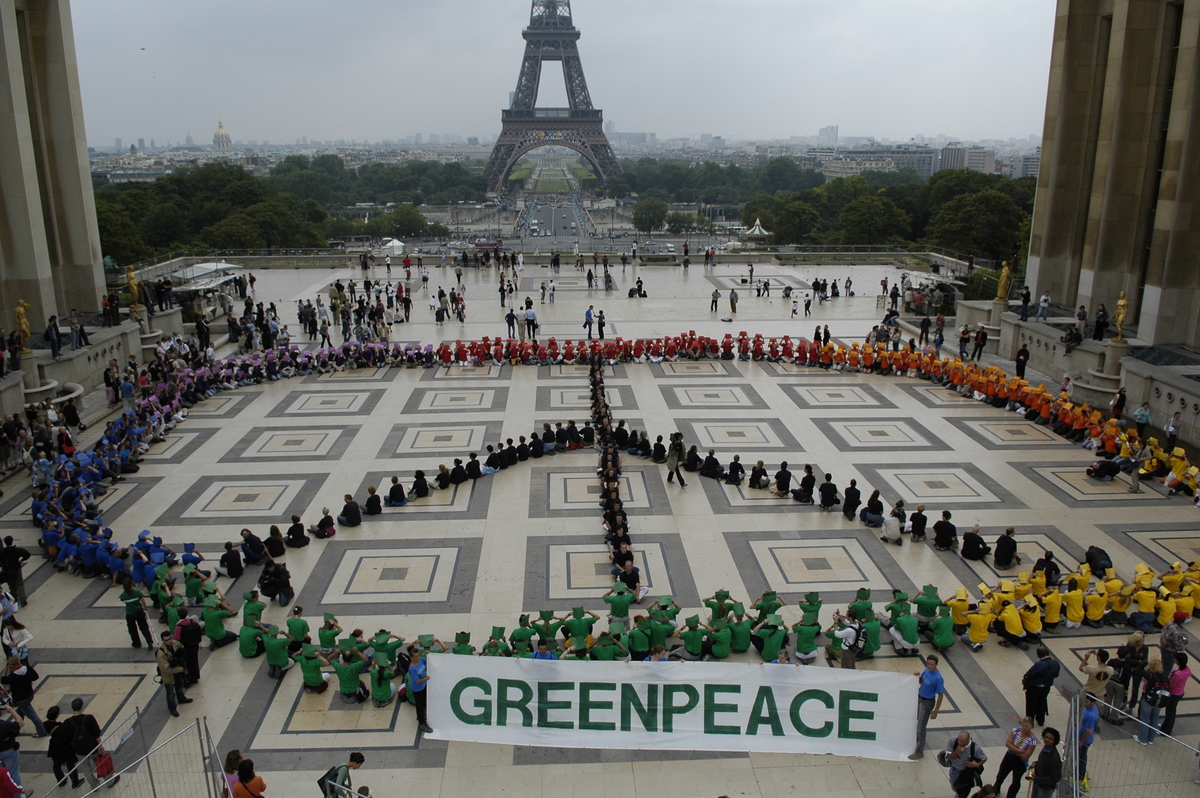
x: 104, y: 765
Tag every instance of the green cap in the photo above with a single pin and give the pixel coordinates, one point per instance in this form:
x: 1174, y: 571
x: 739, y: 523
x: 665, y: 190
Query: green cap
x: 577, y: 612
x: 775, y: 619
x: 720, y: 624
x: 524, y: 620
x: 546, y: 615
x: 620, y: 587
x: 693, y: 622
x: 664, y: 601
x: 309, y: 650
x: 347, y: 644
x: 813, y: 597
x: 498, y: 632
x: 462, y: 638
x: 616, y: 627
x: 930, y: 590
x: 329, y: 616
x: 863, y: 594
x: 739, y: 609
x: 425, y: 641
x: 248, y: 595
x: 722, y: 595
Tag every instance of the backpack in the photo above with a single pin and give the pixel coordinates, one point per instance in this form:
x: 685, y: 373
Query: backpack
x: 857, y: 646
x: 190, y: 633
x: 82, y: 743
x: 326, y: 781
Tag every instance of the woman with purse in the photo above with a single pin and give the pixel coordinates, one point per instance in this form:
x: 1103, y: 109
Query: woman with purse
x: 249, y: 785
x: 17, y: 638
x: 1153, y: 699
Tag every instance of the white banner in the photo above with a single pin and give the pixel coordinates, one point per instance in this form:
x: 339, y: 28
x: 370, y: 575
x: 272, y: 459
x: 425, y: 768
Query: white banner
x: 695, y: 706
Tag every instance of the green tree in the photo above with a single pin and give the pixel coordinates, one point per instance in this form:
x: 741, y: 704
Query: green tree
x: 164, y: 226
x: 679, y: 223
x: 649, y: 215
x: 796, y: 223
x: 119, y: 237
x: 986, y: 223
x: 762, y: 208
x: 871, y: 220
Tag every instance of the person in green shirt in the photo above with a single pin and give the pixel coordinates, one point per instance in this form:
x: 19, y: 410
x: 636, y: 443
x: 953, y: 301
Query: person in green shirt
x: 496, y: 645
x: 383, y: 689
x: 252, y: 610
x: 521, y: 649
x: 719, y: 638
x: 193, y: 580
x: 905, y: 636
x: 173, y: 611
x: 348, y: 666
x: 297, y: 628
x: 719, y: 605
x: 898, y: 607
x: 639, y: 639
x: 311, y: 663
x: 619, y: 635
x: 607, y: 648
x: 811, y: 608
x: 250, y: 641
x: 327, y: 635
x: 660, y: 628
x: 522, y: 634
x: 872, y: 630
x: 546, y: 628
x: 864, y: 610
x: 941, y: 630
x: 384, y: 647
x: 578, y: 628
x: 770, y: 635
x: 767, y: 604
x: 741, y: 629
x: 618, y: 599
x: 135, y: 614
x: 806, y: 641
x: 692, y: 635
x: 667, y: 606
x: 275, y: 643
x: 928, y: 605
x: 214, y: 614
x: 462, y: 644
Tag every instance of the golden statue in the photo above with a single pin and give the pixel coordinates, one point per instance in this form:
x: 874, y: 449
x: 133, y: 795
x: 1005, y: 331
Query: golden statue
x: 1005, y: 279
x: 132, y: 281
x: 1119, y: 316
x: 23, y: 326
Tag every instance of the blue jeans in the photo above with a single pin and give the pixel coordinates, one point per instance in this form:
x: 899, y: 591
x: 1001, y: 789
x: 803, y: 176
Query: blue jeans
x: 25, y: 709
x: 11, y: 760
x: 1149, y: 716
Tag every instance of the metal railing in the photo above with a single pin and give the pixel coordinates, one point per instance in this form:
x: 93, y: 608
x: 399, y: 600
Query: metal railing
x: 112, y: 740
x: 186, y: 765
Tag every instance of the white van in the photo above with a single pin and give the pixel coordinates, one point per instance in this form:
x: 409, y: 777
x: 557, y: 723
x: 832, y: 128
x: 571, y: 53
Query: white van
x: 671, y: 248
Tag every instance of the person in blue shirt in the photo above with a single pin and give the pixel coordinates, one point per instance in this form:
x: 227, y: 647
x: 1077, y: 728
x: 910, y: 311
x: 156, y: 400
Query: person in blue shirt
x: 543, y: 651
x: 929, y: 701
x: 418, y: 675
x: 1088, y: 721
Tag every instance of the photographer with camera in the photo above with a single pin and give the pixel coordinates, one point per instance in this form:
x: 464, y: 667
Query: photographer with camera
x: 851, y: 635
x: 171, y: 666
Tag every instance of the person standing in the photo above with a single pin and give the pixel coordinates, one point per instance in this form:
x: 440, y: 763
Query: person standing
x: 1172, y: 427
x: 965, y: 759
x: 1181, y: 674
x: 1026, y: 297
x: 1117, y: 405
x: 12, y: 560
x: 19, y: 679
x: 1037, y: 682
x: 1101, y: 323
x: 1088, y: 721
x: 588, y: 320
x: 1018, y: 750
x: 52, y: 337
x: 1081, y: 317
x: 733, y: 298
x: 716, y: 296
x: 135, y: 614
x: 1141, y: 417
x: 1173, y: 640
x: 1022, y: 361
x: 1047, y: 770
x: 929, y: 701
x: 10, y: 756
x: 600, y: 323
x: 675, y: 458
x: 981, y: 338
x: 419, y: 673
x: 171, y: 671
x: 1043, y: 312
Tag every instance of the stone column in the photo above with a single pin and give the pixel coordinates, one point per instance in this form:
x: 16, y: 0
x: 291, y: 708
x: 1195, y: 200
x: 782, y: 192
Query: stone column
x: 1113, y: 352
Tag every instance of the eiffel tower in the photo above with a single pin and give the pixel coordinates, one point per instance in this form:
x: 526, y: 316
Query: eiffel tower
x: 551, y: 36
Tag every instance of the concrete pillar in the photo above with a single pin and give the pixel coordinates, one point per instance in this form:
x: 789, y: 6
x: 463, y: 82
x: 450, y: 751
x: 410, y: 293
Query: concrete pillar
x: 1113, y: 352
x: 24, y: 253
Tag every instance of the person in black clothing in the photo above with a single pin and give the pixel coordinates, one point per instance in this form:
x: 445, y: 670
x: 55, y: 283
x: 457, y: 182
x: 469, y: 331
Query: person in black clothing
x: 522, y: 452
x: 12, y: 560
x: 828, y: 492
x: 325, y: 528
x: 420, y: 487
x: 735, y: 472
x: 276, y: 582
x: 621, y: 435
x: 1037, y: 682
x: 253, y: 549
x: 711, y: 467
x: 851, y: 500
x: 619, y: 557
x: 231, y: 562
x: 659, y: 453
x: 808, y: 483
x: 1047, y: 771
x: 493, y: 461
x: 375, y: 501
x: 1006, y: 555
x: 588, y: 434
x: 561, y: 439
x: 917, y: 522
x: 1098, y: 560
x: 474, y: 468
x: 458, y: 474
x: 442, y: 478
x: 945, y: 534
x: 973, y: 546
x: 189, y: 632
x: 59, y: 750
x: 351, y: 514
x: 783, y: 480
x: 296, y: 538
x: 1047, y: 564
x: 536, y: 447
x: 276, y: 546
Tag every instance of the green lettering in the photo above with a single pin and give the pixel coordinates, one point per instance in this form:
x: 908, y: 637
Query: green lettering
x: 520, y: 704
x: 712, y: 707
x: 846, y: 714
x: 587, y: 705
x: 481, y: 718
x: 631, y: 703
x: 798, y: 723
x: 670, y: 710
x: 765, y: 713
x: 545, y: 705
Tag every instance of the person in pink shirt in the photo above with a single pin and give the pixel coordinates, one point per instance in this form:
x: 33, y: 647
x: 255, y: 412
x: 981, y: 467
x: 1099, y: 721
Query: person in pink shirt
x: 1176, y: 684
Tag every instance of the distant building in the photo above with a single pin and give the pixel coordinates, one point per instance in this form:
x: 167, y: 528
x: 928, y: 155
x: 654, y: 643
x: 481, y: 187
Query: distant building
x: 827, y: 136
x: 977, y: 159
x: 187, y: 142
x: 848, y: 167
x: 1027, y: 165
x: 221, y: 140
x: 923, y: 160
x: 118, y: 144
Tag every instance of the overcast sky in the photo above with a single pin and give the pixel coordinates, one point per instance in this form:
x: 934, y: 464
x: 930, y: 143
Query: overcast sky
x: 376, y: 69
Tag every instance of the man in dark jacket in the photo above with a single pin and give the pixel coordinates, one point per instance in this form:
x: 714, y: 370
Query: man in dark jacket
x: 1047, y: 770
x: 851, y: 500
x: 1006, y: 555
x: 351, y: 512
x: 1037, y: 682
x: 973, y: 546
x: 276, y: 582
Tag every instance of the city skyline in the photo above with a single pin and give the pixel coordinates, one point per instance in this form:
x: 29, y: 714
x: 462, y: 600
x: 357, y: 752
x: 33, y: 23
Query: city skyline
x: 160, y: 73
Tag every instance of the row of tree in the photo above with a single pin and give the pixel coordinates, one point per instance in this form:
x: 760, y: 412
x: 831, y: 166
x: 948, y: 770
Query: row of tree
x: 708, y: 182
x: 326, y: 179
x: 978, y: 214
x: 221, y: 206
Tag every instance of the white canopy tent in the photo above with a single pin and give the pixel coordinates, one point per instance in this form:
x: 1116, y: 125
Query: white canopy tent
x: 393, y: 247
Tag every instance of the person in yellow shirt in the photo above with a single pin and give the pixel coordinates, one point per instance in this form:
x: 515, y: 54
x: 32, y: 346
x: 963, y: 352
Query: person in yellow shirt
x: 1073, y: 599
x: 1186, y: 601
x: 1172, y: 578
x: 978, y: 625
x: 1145, y: 598
x: 1165, y: 607
x: 1031, y: 618
x: 1037, y: 581
x: 1095, y: 606
x: 1052, y: 600
x: 959, y: 606
x: 1119, y: 603
x: 1009, y: 627
x: 1022, y: 587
